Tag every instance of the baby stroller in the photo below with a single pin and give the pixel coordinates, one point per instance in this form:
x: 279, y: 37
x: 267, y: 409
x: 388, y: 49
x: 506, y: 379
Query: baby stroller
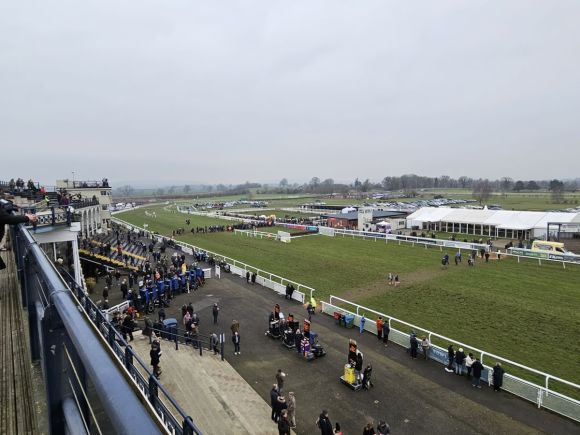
x: 366, y: 380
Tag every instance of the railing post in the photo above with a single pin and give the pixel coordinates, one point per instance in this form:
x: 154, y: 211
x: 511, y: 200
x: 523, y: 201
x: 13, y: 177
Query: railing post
x: 547, y: 385
x: 153, y: 390
x: 187, y: 426
x: 128, y: 358
x: 111, y: 336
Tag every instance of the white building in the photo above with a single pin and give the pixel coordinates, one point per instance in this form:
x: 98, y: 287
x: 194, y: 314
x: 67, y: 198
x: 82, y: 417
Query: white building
x: 508, y: 224
x: 99, y: 190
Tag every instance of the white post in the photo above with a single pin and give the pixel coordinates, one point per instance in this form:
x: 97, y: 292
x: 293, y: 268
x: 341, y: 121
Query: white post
x: 77, y: 261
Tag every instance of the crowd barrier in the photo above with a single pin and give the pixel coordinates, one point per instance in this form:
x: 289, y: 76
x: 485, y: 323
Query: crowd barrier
x: 542, y: 396
x: 264, y: 278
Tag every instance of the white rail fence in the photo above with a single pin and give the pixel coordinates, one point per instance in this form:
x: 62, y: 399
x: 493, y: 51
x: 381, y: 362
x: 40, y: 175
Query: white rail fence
x: 259, y: 234
x: 264, y: 278
x: 541, y: 395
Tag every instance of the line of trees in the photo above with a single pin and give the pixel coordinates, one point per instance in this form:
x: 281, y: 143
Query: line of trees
x: 409, y: 184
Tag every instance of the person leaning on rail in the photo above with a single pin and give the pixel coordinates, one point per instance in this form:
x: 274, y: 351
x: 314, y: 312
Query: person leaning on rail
x: 7, y: 218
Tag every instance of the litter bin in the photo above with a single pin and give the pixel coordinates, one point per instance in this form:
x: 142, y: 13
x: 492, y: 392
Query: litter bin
x: 169, y: 329
x: 349, y: 320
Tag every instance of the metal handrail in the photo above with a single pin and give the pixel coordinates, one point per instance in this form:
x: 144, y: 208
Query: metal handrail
x: 116, y: 336
x: 117, y: 396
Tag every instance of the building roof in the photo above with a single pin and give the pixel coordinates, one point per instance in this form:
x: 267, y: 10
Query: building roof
x: 377, y: 214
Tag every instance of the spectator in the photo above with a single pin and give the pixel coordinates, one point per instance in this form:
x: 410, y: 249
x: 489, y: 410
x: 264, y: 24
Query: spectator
x: 213, y: 341
x: 236, y: 341
x: 379, y: 323
x: 361, y: 325
x: 386, y: 331
x: 280, y: 375
x: 284, y: 423
x: 383, y: 428
x: 155, y: 355
x: 369, y: 429
x: 215, y: 311
x: 337, y: 430
x: 425, y: 345
x: 292, y: 409
x: 450, y: 359
x: 235, y: 327
x: 459, y: 359
x: 477, y: 368
x: 414, y: 345
x: 274, y: 401
x: 324, y: 423
x: 127, y: 327
x: 498, y: 373
x: 468, y: 363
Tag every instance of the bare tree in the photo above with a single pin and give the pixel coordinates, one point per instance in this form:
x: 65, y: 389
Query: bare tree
x: 482, y: 190
x: 126, y: 190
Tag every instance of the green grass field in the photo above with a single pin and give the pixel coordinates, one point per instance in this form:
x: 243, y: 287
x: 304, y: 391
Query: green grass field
x: 523, y: 312
x: 525, y: 200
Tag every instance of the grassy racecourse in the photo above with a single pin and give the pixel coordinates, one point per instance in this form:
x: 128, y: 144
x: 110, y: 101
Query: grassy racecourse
x: 523, y: 312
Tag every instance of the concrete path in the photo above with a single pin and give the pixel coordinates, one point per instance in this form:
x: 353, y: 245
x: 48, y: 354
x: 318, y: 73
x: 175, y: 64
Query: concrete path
x: 210, y: 390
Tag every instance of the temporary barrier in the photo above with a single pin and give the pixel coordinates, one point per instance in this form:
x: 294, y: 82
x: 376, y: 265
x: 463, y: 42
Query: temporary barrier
x: 541, y: 395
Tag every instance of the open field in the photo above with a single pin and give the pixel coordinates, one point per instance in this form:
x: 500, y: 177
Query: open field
x: 520, y: 311
x: 525, y: 200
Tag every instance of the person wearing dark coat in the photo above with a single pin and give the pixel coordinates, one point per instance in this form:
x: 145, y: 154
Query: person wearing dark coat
x: 450, y: 359
x: 414, y: 345
x: 477, y: 369
x: 155, y: 355
x: 127, y: 327
x: 369, y: 429
x: 324, y: 423
x: 284, y: 424
x: 459, y: 359
x: 274, y: 401
x: 498, y: 373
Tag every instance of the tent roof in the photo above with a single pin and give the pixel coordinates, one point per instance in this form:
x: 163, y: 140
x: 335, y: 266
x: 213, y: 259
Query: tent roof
x: 429, y: 214
x: 504, y: 219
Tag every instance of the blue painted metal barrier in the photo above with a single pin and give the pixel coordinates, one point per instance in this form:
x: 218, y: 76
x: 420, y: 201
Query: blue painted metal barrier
x: 76, y: 363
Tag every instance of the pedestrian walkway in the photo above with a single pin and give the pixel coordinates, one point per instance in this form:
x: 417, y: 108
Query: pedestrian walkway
x: 210, y: 390
x: 18, y: 406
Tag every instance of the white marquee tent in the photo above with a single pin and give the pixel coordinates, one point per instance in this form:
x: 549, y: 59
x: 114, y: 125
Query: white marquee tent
x: 497, y: 223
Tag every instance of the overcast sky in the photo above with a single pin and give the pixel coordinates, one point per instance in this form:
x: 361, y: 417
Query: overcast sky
x: 226, y: 91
